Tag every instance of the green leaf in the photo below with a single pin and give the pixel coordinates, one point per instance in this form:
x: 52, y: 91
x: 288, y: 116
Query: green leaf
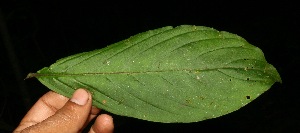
x: 182, y: 74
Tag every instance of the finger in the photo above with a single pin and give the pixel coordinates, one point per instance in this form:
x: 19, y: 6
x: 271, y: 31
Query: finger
x: 103, y: 124
x: 94, y: 112
x: 45, y: 107
x: 70, y: 118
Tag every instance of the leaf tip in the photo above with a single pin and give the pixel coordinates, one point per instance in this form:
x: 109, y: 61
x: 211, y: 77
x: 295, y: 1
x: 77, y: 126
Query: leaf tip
x: 279, y: 80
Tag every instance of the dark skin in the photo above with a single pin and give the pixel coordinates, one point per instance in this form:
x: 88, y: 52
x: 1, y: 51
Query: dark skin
x: 54, y: 113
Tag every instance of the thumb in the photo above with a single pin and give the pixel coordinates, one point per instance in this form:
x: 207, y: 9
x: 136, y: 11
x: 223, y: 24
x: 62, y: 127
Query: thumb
x: 73, y: 116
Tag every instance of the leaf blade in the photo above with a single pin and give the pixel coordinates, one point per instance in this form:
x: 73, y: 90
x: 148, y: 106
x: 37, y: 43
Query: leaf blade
x: 197, y: 70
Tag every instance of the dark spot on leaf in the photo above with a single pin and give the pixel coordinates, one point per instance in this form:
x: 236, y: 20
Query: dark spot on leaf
x: 229, y: 79
x: 188, y: 101
x: 248, y: 78
x: 200, y: 97
x: 248, y: 97
x: 158, y: 66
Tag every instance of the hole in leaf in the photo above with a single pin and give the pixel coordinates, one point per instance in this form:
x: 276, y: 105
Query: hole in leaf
x: 248, y: 78
x: 248, y: 97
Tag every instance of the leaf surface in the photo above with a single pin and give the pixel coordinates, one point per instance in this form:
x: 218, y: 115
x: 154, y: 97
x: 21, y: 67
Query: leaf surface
x: 182, y: 74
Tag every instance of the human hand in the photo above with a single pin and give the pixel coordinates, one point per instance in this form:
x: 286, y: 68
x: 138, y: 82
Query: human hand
x: 57, y: 114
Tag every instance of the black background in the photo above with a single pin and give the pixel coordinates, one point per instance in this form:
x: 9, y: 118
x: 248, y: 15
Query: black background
x: 39, y: 33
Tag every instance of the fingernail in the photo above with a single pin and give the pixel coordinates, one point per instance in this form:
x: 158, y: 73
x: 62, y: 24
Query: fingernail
x: 80, y: 97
